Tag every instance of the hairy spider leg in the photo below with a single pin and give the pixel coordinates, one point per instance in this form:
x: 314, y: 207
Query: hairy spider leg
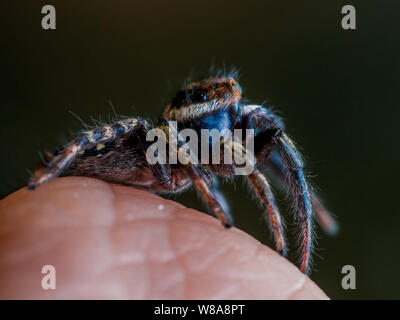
x: 221, y: 198
x: 325, y: 219
x: 202, y: 181
x: 263, y: 120
x: 262, y: 189
x: 197, y: 175
x: 253, y: 117
x: 301, y: 197
x: 86, y: 140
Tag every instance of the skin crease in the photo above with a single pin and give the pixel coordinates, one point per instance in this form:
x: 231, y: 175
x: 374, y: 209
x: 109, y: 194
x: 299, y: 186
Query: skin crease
x: 109, y: 241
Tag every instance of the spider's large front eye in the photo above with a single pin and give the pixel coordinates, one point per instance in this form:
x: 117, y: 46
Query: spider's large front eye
x: 198, y: 96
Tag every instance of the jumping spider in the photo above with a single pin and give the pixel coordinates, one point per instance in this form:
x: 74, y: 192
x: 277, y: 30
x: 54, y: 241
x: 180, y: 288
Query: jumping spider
x: 117, y: 153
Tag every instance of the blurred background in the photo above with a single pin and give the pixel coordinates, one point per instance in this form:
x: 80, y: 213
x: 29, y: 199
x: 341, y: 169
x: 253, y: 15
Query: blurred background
x: 336, y: 89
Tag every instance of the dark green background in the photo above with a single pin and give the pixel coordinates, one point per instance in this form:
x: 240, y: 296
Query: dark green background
x: 337, y: 90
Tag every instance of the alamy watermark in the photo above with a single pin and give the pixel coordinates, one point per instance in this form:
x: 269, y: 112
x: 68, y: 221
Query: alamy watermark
x: 49, y: 280
x: 49, y: 18
x: 183, y: 147
x: 349, y: 20
x: 349, y: 280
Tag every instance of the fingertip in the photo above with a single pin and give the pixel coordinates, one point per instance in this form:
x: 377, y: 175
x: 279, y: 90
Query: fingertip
x: 146, y: 247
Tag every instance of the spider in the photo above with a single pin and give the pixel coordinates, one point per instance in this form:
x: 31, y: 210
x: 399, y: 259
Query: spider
x: 117, y: 153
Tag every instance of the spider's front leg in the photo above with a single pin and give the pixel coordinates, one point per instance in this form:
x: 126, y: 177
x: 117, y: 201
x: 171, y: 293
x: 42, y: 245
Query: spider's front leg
x: 325, y: 219
x: 270, y: 136
x: 201, y: 181
x: 262, y: 189
x: 301, y: 197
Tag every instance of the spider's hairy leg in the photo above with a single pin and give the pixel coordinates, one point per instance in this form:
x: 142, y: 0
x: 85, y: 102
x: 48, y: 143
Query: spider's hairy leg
x: 174, y: 181
x: 89, y: 139
x: 301, y: 197
x: 199, y: 177
x: 325, y: 219
x: 269, y: 137
x: 263, y: 191
x: 202, y: 180
x: 261, y: 187
x: 221, y: 198
x: 259, y: 119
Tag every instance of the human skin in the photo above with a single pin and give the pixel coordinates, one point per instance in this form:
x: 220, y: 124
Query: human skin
x: 108, y: 241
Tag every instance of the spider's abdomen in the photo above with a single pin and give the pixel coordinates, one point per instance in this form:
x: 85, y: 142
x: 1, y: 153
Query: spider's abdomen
x: 122, y: 160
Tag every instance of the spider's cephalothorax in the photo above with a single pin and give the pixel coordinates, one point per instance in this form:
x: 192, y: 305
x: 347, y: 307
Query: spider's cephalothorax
x: 117, y: 152
x: 203, y: 97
